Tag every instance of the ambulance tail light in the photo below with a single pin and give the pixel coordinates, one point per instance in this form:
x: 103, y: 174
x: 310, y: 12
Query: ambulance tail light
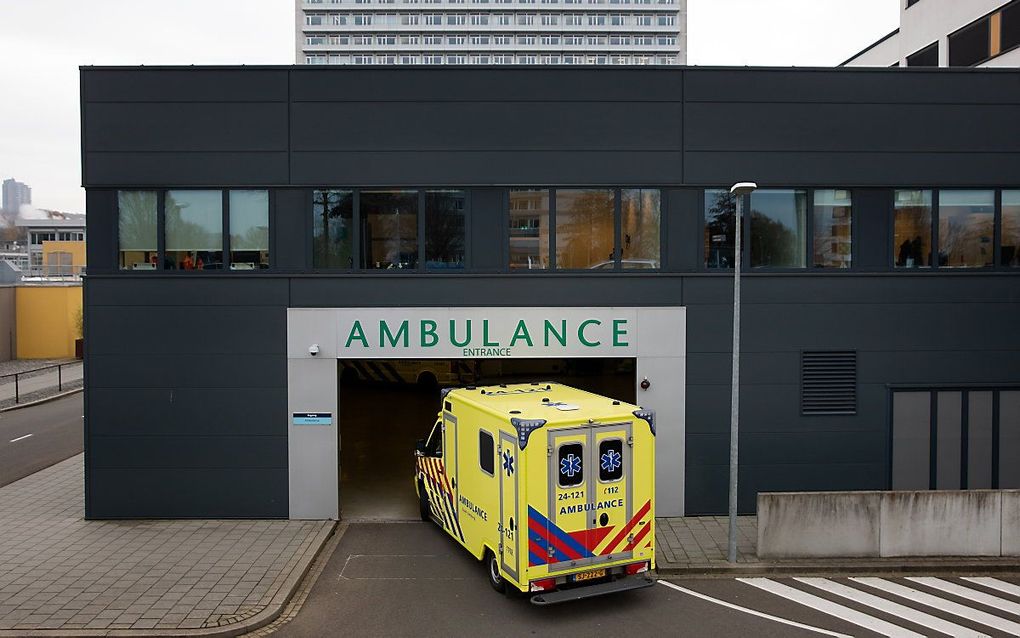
x: 637, y: 568
x: 543, y: 585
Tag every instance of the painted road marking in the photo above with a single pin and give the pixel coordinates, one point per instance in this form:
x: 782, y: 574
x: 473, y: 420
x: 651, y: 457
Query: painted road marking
x: 21, y: 437
x: 970, y: 594
x: 833, y: 609
x: 895, y: 609
x: 791, y: 623
x: 942, y: 604
x: 995, y: 583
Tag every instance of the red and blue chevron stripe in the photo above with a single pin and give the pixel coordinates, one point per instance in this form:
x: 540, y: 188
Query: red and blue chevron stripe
x: 544, y: 537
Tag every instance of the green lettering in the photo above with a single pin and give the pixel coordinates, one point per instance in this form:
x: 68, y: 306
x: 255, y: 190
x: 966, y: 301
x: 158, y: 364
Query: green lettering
x: 560, y: 336
x: 521, y: 332
x: 580, y: 333
x: 385, y: 334
x: 453, y: 333
x: 619, y: 332
x: 485, y: 334
x: 356, y: 333
x: 429, y: 331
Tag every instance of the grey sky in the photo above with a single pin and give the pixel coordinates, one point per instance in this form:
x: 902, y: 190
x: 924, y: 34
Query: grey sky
x: 42, y: 43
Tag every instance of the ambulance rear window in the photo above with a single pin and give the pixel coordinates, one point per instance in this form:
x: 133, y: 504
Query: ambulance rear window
x: 486, y: 452
x: 571, y: 464
x: 610, y: 460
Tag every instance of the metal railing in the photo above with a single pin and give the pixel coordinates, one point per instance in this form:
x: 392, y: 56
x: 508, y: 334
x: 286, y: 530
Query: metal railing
x: 23, y: 385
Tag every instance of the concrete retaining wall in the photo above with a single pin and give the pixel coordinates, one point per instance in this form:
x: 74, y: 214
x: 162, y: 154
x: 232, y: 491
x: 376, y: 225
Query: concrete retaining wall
x: 881, y: 524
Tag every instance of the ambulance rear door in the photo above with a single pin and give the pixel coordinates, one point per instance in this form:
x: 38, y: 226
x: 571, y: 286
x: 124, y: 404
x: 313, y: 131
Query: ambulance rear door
x: 612, y: 521
x: 563, y: 537
x: 507, y: 461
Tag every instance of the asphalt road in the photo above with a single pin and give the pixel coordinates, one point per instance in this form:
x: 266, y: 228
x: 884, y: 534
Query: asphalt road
x: 37, y: 437
x: 409, y: 579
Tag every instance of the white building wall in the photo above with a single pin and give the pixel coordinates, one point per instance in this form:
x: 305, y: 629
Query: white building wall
x: 929, y: 21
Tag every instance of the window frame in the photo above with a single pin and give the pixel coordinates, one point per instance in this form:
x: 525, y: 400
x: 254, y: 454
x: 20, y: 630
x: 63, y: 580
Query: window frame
x: 559, y: 474
x: 161, y: 232
x: 617, y: 230
x: 356, y: 232
x: 623, y: 471
x: 936, y: 203
x: 809, y: 233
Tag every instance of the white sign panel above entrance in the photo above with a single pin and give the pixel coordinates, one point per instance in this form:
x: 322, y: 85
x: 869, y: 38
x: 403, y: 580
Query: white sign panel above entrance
x: 482, y: 333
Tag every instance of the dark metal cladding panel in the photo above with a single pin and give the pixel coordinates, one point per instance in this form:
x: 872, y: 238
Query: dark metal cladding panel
x: 853, y: 86
x: 501, y: 84
x: 215, y: 127
x: 508, y: 290
x: 488, y: 228
x: 872, y: 210
x: 181, y: 329
x: 101, y: 229
x: 188, y: 371
x: 171, y: 452
x: 291, y: 228
x: 186, y: 493
x: 486, y: 126
x: 195, y: 412
x: 851, y: 128
x: 143, y: 169
x: 182, y: 84
x: 683, y: 228
x: 536, y: 167
x: 150, y: 290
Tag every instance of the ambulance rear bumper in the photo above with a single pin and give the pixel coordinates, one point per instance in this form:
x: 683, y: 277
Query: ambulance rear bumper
x: 639, y: 581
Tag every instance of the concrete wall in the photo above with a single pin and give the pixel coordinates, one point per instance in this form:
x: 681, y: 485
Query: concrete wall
x: 47, y: 319
x: 887, y: 524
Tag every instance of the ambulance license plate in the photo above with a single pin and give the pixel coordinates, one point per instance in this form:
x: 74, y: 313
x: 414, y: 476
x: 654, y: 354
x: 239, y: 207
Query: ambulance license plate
x: 591, y: 575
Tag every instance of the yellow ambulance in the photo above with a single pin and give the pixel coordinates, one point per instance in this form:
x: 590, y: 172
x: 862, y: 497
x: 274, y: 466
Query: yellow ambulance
x: 552, y: 487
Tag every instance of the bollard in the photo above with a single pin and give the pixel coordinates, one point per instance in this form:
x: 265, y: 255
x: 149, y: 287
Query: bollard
x: 60, y: 383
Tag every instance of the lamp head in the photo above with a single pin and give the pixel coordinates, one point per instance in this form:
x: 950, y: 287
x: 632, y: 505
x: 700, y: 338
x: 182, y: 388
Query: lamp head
x: 743, y: 188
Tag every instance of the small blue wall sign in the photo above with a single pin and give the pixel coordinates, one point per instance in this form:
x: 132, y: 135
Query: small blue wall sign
x: 313, y: 418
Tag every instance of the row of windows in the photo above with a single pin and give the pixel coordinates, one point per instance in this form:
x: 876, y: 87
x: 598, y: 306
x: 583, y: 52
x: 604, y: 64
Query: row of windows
x: 460, y: 2
x: 36, y: 238
x: 969, y: 227
x: 499, y: 19
x: 199, y: 227
x: 493, y: 58
x: 493, y: 39
x: 564, y: 229
x: 570, y: 459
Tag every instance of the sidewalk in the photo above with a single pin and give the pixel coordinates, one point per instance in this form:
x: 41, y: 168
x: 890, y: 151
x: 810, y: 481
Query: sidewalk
x: 61, y: 574
x: 697, y: 546
x: 38, y: 380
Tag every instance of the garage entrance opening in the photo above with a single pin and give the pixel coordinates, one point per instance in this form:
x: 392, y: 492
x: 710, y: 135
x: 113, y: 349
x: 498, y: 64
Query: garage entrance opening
x: 385, y: 405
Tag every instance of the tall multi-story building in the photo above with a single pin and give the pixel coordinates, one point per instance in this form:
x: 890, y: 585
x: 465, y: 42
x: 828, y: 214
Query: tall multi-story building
x: 15, y: 194
x: 943, y: 33
x: 491, y: 31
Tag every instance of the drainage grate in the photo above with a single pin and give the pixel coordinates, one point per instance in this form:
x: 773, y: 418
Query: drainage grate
x: 828, y: 382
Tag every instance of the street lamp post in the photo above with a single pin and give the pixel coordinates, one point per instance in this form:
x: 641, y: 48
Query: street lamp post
x: 738, y: 191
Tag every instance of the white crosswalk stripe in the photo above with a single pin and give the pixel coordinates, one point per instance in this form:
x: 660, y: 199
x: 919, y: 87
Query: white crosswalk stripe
x: 994, y: 583
x: 981, y: 597
x: 853, y: 616
x: 892, y: 608
x: 935, y: 602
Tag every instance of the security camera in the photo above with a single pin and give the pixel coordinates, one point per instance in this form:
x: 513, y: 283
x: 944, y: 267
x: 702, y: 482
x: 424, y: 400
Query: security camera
x: 313, y: 349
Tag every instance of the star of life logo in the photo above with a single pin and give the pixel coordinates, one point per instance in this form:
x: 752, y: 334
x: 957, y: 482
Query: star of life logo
x: 570, y: 466
x: 611, y: 461
x: 508, y: 462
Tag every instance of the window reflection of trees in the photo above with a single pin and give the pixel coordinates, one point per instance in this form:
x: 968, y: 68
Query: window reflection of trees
x: 584, y: 228
x: 137, y: 223
x: 777, y: 229
x: 389, y: 221
x: 640, y: 215
x: 194, y: 229
x: 720, y: 212
x: 333, y: 216
x: 444, y: 229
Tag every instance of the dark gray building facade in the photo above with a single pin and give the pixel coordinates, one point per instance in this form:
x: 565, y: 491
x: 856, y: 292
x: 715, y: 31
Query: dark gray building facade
x: 881, y: 295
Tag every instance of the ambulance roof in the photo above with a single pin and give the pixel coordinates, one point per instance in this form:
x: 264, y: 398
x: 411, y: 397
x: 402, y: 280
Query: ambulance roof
x: 552, y: 402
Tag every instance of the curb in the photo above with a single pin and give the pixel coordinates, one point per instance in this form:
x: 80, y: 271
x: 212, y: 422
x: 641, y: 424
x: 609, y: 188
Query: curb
x: 949, y: 566
x: 259, y: 620
x: 19, y: 406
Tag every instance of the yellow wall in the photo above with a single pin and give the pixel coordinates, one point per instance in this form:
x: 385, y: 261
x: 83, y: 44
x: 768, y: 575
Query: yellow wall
x: 76, y: 248
x: 47, y: 323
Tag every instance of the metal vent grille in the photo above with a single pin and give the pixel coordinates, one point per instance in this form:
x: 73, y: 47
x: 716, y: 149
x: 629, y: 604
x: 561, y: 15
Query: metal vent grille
x: 828, y: 383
